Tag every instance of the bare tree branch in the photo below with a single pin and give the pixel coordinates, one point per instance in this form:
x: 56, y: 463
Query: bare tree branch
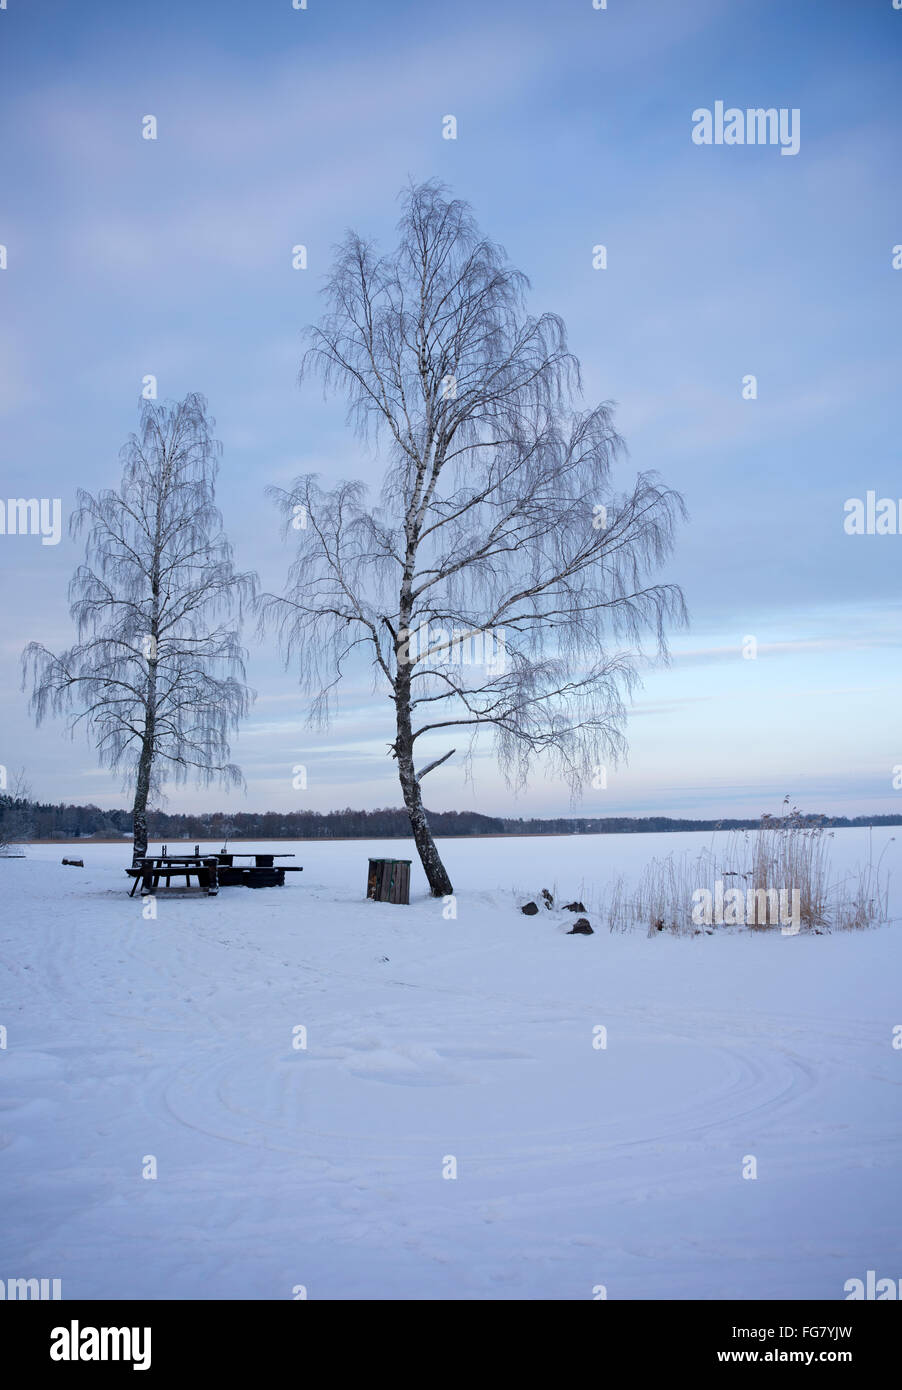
x: 438, y: 762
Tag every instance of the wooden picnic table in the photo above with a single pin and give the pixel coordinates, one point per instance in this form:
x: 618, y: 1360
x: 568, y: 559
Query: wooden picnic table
x: 211, y: 870
x: 152, y: 867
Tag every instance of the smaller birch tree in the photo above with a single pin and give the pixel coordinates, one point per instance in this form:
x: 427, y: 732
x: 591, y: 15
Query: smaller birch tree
x: 156, y: 677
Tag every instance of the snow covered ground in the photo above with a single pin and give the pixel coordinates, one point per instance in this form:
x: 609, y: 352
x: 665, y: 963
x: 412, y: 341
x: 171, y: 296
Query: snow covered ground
x: 428, y: 1040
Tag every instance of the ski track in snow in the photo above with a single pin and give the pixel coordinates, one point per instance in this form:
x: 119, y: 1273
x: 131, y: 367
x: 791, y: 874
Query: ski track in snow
x: 323, y: 1166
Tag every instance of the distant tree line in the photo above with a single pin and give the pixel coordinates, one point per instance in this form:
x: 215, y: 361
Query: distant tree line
x: 27, y: 819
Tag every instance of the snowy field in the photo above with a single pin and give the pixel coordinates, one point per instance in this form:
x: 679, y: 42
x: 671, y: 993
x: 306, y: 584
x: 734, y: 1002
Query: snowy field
x: 429, y: 1040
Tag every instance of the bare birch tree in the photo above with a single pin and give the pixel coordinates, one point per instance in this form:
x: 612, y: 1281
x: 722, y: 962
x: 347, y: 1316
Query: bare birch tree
x: 16, y: 822
x: 156, y: 677
x: 498, y: 518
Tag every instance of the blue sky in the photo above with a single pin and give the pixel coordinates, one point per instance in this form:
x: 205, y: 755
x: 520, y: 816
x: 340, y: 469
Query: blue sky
x: 279, y: 126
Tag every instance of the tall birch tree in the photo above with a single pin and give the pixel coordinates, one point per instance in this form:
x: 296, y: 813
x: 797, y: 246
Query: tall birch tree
x: 498, y: 523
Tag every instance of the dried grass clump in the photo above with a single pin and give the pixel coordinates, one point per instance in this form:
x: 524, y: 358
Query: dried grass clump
x: 788, y: 852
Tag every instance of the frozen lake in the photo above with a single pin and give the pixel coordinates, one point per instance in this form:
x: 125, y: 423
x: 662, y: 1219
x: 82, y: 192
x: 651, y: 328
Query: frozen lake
x: 173, y: 1045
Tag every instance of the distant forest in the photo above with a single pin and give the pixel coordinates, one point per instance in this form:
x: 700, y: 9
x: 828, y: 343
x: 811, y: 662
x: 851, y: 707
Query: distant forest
x: 30, y: 820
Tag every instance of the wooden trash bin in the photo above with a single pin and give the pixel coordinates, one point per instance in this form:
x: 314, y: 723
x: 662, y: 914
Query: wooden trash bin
x: 388, y: 881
